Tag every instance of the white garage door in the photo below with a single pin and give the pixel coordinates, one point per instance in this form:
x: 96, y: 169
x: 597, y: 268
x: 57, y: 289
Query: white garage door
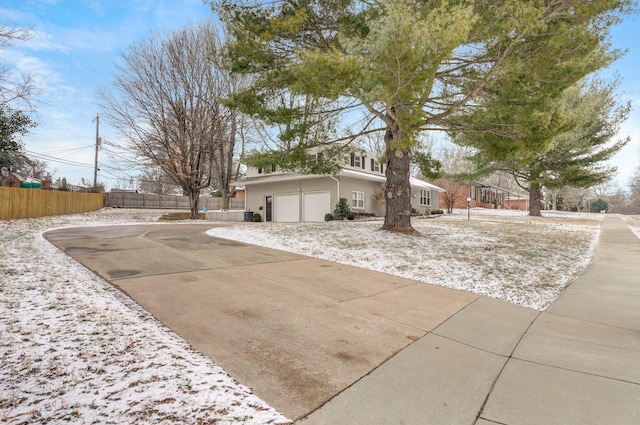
x: 315, y: 205
x: 287, y: 208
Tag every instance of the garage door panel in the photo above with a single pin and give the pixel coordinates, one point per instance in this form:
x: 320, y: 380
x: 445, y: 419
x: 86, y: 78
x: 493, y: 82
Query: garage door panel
x: 315, y: 205
x: 287, y: 208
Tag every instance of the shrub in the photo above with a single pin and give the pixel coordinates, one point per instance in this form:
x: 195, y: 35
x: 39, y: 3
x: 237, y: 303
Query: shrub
x: 342, y: 210
x: 257, y: 217
x: 599, y: 205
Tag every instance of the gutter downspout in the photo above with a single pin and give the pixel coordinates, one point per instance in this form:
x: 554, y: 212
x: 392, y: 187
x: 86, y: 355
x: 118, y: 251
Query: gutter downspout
x: 337, y: 186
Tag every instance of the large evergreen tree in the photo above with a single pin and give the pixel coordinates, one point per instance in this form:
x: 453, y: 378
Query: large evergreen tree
x: 565, y: 147
x: 408, y: 66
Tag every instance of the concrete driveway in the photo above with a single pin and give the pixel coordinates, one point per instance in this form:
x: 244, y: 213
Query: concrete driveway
x: 296, y: 330
x: 330, y: 344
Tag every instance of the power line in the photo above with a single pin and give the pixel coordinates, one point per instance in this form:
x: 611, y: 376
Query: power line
x: 58, y: 160
x: 60, y: 151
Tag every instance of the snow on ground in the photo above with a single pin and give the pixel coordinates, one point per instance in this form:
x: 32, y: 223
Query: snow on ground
x: 633, y: 221
x: 499, y: 253
x: 73, y: 349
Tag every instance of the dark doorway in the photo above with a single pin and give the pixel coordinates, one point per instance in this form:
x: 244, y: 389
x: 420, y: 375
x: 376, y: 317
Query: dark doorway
x: 267, y: 209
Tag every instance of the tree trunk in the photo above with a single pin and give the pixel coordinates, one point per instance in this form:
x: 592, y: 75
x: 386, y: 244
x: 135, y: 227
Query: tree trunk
x: 224, y: 202
x: 397, y: 216
x: 535, y: 196
x: 194, y: 201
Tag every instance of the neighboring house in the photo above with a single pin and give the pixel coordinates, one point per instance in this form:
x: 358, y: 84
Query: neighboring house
x: 237, y: 191
x: 487, y: 196
x: 9, y: 179
x: 292, y: 197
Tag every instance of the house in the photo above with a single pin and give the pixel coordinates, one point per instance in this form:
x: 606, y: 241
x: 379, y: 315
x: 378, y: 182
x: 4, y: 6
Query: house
x: 9, y: 179
x: 487, y: 196
x: 282, y: 196
x: 236, y: 191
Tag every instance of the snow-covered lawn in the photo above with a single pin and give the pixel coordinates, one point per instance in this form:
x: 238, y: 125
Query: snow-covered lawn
x: 73, y: 349
x: 499, y: 253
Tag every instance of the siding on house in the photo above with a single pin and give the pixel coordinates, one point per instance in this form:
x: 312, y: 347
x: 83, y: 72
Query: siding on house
x: 358, y: 182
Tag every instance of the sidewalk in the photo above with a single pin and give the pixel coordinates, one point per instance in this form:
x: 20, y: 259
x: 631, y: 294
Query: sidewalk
x: 328, y: 344
x: 576, y: 363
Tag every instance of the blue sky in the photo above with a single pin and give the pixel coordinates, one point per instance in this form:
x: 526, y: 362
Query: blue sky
x: 76, y: 43
x: 72, y: 52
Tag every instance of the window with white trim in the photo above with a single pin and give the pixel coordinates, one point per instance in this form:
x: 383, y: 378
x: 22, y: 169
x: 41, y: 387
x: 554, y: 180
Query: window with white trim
x: 356, y: 161
x: 425, y: 198
x: 375, y: 166
x: 357, y: 200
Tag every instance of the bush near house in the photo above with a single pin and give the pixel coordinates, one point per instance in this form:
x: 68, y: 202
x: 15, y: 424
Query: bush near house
x: 342, y: 210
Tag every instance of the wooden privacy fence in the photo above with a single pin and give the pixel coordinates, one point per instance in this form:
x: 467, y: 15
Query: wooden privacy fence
x: 151, y: 201
x: 16, y: 202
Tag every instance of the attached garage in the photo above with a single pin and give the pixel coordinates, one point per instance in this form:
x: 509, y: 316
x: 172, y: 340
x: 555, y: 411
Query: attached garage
x: 286, y: 207
x: 315, y: 205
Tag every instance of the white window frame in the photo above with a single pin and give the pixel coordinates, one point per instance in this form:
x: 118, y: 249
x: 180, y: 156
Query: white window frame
x: 357, y: 200
x: 425, y: 198
x: 357, y: 161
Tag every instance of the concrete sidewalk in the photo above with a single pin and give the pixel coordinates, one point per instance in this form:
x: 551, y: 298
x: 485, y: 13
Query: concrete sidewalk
x: 577, y: 363
x: 331, y: 344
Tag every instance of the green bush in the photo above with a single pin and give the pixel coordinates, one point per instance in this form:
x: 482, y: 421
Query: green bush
x: 599, y: 205
x: 329, y: 217
x: 257, y: 217
x: 342, y: 210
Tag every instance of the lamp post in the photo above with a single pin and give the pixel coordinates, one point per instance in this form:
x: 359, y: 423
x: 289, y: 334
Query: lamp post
x: 468, y: 209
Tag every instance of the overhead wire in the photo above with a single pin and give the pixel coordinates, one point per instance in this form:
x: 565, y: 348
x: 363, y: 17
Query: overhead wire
x: 55, y: 159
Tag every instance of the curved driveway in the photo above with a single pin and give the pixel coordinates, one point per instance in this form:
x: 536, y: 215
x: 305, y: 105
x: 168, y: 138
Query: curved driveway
x: 332, y: 344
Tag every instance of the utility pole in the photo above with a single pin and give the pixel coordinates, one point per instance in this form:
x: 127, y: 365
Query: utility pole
x: 95, y: 167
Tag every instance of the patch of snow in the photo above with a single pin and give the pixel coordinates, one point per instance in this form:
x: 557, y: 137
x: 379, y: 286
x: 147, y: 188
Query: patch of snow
x: 74, y: 349
x: 633, y: 221
x: 503, y: 254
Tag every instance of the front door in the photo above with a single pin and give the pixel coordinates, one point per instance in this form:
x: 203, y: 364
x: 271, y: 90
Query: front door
x: 267, y: 208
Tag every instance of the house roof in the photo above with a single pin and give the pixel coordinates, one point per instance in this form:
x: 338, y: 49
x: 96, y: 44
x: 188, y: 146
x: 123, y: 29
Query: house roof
x: 415, y: 182
x: 270, y: 178
x: 421, y: 184
x: 519, y: 193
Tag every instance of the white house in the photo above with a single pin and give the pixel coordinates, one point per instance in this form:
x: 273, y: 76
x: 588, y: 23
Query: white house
x: 282, y: 196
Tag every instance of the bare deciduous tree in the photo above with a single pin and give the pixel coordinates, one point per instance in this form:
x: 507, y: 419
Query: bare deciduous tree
x: 166, y: 102
x: 456, y: 169
x: 14, y: 87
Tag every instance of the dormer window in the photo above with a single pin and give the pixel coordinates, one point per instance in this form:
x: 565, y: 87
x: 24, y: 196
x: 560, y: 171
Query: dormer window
x: 357, y: 161
x: 376, y: 167
x: 268, y: 169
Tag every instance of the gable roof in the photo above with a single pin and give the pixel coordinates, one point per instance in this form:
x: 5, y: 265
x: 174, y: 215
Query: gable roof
x: 416, y: 183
